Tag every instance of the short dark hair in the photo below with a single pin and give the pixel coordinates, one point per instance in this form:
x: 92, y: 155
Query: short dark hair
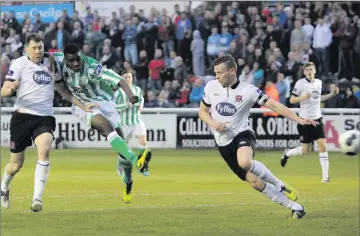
x: 228, y: 60
x: 34, y: 37
x: 308, y: 64
x: 71, y: 49
x: 125, y: 72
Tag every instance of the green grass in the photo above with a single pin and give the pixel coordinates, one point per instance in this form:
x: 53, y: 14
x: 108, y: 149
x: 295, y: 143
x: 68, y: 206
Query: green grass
x: 190, y: 192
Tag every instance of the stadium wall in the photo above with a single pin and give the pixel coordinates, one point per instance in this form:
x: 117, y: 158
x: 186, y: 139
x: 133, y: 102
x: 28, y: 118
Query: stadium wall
x: 182, y: 128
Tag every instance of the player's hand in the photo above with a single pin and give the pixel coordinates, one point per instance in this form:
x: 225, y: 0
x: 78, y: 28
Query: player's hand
x: 307, y: 95
x: 335, y: 91
x: 14, y: 86
x: 90, y: 106
x: 134, y: 99
x: 309, y: 122
x: 52, y: 63
x: 220, y: 127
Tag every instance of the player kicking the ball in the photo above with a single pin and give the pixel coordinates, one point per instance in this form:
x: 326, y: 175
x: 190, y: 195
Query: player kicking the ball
x: 90, y: 82
x: 33, y: 120
x: 229, y: 103
x: 307, y: 92
x: 132, y: 126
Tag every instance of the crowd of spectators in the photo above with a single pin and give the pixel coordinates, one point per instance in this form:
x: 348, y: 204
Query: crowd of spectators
x: 170, y: 54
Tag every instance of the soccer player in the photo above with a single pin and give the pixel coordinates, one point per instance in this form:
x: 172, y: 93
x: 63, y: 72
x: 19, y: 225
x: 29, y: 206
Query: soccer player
x: 307, y: 92
x: 33, y: 119
x: 225, y: 108
x: 132, y: 126
x: 89, y: 81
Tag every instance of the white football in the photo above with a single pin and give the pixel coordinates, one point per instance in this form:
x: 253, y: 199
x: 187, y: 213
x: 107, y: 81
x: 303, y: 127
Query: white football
x: 350, y: 142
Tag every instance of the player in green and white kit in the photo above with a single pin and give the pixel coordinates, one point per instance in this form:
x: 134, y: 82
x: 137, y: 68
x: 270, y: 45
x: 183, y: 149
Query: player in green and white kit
x: 132, y: 126
x: 90, y: 82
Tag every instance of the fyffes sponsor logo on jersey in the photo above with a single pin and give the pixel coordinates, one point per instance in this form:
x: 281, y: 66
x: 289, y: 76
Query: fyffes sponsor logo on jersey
x: 42, y: 77
x: 226, y: 109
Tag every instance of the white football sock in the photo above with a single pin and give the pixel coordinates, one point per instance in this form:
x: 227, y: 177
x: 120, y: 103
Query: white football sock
x: 5, y: 183
x: 324, y: 162
x: 272, y: 193
x: 261, y: 171
x: 41, y: 176
x: 294, y: 152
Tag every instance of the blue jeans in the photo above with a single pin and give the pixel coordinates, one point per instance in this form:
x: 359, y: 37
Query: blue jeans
x: 131, y: 54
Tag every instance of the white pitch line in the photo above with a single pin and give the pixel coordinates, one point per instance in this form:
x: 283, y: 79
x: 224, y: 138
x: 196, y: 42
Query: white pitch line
x: 122, y: 208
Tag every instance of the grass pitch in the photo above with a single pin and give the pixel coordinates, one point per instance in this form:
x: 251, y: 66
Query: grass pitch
x: 189, y: 192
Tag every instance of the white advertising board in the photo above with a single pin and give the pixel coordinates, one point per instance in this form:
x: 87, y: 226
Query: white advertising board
x: 161, y: 132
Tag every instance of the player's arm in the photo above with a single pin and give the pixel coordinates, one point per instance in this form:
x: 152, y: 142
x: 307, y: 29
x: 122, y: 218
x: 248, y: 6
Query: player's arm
x: 110, y: 76
x: 9, y: 87
x: 12, y: 78
x: 295, y: 95
x: 285, y: 111
x: 67, y: 95
x: 333, y: 93
x: 204, y: 114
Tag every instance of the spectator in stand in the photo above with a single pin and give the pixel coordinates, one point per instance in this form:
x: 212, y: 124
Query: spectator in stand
x: 53, y: 47
x: 246, y: 75
x: 87, y: 51
x: 258, y: 74
x: 309, y: 29
x: 346, y: 33
x: 196, y: 93
x: 129, y: 37
x: 197, y: 48
x: 155, y: 66
x: 298, y: 35
x: 213, y: 44
x: 182, y: 27
x: 281, y: 88
x: 322, y: 39
x: 108, y: 59
x: 77, y: 36
x: 180, y: 72
x: 142, y: 71
x: 174, y: 91
x: 225, y: 39
x: 151, y: 100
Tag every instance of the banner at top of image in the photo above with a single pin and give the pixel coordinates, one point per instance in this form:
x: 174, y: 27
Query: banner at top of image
x: 49, y: 12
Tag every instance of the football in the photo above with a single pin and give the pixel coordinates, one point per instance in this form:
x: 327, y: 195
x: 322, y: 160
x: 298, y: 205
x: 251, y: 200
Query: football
x: 350, y: 142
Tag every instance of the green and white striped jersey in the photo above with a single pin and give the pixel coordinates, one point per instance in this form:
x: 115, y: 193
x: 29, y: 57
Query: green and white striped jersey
x: 92, y: 83
x: 130, y: 114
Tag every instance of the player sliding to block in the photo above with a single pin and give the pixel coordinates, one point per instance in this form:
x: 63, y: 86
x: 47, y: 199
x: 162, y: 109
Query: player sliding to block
x: 90, y: 82
x: 229, y: 102
x: 132, y: 126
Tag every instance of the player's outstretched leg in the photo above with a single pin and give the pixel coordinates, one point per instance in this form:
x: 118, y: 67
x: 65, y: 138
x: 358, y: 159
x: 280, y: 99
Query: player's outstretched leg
x: 125, y: 171
x: 16, y: 162
x: 298, y: 151
x: 324, y: 159
x: 100, y: 123
x: 43, y: 143
x: 271, y: 192
x: 246, y: 162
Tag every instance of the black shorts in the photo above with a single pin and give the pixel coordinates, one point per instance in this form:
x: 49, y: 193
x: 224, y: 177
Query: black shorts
x: 24, y: 128
x: 229, y: 152
x: 309, y: 133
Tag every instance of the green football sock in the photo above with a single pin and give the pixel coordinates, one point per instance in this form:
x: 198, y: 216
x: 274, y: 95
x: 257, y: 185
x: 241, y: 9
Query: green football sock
x: 119, y: 145
x: 127, y: 167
